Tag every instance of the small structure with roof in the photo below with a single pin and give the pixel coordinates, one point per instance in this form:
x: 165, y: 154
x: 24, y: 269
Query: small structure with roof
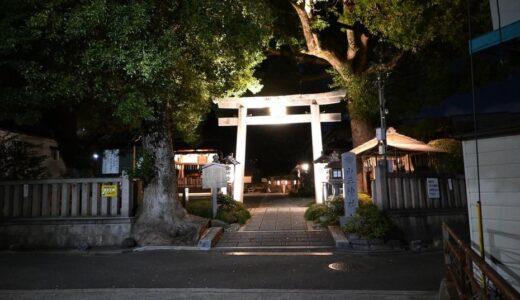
x: 404, y: 154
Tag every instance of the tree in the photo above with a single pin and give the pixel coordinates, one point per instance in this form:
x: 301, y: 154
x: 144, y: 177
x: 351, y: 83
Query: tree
x: 361, y: 38
x: 151, y: 65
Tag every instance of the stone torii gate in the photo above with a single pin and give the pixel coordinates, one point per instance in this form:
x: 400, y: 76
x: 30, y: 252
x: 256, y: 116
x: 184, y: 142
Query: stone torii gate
x: 278, y: 105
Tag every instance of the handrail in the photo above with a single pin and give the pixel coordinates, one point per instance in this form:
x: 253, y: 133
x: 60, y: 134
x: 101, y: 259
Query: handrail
x: 462, y: 263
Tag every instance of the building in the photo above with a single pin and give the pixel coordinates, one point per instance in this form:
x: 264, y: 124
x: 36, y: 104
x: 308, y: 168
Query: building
x: 53, y: 163
x: 404, y: 154
x: 491, y: 160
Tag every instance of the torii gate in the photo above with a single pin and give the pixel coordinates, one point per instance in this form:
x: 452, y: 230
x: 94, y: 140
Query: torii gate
x: 278, y: 105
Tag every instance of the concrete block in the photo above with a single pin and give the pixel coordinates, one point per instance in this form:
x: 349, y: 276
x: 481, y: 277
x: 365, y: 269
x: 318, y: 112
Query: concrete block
x: 210, y: 238
x: 339, y: 237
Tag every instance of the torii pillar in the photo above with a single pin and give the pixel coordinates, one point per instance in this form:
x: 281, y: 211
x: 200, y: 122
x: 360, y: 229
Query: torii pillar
x: 315, y: 118
x: 317, y: 148
x: 238, y: 185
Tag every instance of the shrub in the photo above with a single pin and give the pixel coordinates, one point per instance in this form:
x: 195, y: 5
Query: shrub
x: 315, y: 211
x: 451, y: 162
x: 368, y: 222
x: 364, y: 199
x: 242, y: 215
x: 201, y: 208
x: 231, y: 211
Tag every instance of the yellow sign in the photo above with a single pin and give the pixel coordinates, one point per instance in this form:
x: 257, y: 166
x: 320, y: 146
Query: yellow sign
x: 109, y: 190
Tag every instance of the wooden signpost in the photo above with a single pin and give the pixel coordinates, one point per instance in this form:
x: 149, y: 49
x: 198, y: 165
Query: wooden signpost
x: 214, y: 176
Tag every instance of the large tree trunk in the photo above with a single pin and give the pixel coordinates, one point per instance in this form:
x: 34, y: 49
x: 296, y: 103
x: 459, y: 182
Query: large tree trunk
x: 354, y: 62
x: 362, y: 131
x: 162, y: 220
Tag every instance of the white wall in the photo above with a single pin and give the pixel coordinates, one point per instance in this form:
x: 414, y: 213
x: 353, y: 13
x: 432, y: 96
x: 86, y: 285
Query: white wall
x: 499, y: 161
x: 509, y: 12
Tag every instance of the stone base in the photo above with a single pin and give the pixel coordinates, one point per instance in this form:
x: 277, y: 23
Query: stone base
x: 64, y: 233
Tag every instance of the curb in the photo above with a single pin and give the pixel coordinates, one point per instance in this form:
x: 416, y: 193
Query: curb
x: 212, y: 293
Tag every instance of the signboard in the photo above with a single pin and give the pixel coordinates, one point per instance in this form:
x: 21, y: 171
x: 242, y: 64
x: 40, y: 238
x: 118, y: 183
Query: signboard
x: 109, y: 190
x: 230, y: 173
x: 432, y: 186
x: 110, y: 162
x: 348, y: 163
x: 214, y: 175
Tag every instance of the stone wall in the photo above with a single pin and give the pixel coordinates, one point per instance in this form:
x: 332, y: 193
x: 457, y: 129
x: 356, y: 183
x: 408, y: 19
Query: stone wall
x: 427, y: 225
x: 69, y: 233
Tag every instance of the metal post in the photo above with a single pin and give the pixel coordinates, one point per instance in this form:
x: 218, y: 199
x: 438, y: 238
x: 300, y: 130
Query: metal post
x: 214, y: 206
x: 382, y: 114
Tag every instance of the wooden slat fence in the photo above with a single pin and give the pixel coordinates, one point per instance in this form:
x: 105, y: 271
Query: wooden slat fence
x: 64, y: 198
x: 186, y: 182
x: 409, y: 191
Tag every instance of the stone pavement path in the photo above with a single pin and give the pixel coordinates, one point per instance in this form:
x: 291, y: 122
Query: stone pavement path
x: 272, y: 226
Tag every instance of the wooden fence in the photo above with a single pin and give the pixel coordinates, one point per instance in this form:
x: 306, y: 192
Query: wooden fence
x: 186, y: 182
x: 409, y: 192
x: 64, y: 198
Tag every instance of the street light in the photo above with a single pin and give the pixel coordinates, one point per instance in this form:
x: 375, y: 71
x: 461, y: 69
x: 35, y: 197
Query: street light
x: 305, y: 167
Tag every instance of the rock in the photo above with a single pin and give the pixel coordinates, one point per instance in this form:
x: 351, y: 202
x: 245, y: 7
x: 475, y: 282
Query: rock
x: 232, y: 227
x: 83, y: 246
x: 128, y: 243
x: 219, y: 223
x: 415, y: 245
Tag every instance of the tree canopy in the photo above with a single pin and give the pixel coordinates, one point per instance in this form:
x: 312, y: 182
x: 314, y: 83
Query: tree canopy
x: 411, y: 42
x: 127, y: 60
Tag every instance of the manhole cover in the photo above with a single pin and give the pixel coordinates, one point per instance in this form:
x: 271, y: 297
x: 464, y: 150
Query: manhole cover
x: 349, y: 267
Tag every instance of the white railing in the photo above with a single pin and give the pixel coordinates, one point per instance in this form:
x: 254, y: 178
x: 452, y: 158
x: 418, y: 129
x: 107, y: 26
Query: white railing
x: 64, y: 198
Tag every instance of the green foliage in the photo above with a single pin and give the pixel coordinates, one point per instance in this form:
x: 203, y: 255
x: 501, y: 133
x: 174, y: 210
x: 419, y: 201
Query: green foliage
x: 201, y: 208
x: 368, y: 222
x: 128, y: 61
x: 145, y: 167
x: 451, y: 162
x: 231, y: 211
x: 315, y: 211
x: 332, y: 209
x: 364, y: 199
x: 19, y: 160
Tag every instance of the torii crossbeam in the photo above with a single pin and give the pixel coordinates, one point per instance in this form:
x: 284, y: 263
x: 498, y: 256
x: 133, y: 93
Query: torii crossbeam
x: 278, y: 105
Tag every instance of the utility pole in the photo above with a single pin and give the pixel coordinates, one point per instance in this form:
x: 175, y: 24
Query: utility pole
x: 382, y: 115
x: 382, y: 137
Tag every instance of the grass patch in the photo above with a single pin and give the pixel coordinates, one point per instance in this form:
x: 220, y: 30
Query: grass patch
x: 200, y: 207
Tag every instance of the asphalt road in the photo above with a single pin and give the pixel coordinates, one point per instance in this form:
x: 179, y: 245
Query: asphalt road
x: 219, y: 269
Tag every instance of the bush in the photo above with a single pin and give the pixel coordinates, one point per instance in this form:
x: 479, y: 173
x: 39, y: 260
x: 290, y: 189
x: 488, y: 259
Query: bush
x: 364, y: 199
x: 451, y: 162
x: 368, y: 222
x: 315, y: 211
x: 231, y: 211
x: 332, y: 209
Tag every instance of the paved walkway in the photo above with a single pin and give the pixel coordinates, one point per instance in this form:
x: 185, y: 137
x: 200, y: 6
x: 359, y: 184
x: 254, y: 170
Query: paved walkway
x: 276, y: 221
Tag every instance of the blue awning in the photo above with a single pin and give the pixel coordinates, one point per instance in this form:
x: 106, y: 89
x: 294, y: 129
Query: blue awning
x: 495, y: 37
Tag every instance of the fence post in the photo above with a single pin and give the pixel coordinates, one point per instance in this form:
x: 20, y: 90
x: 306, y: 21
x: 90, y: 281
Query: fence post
x: 125, y: 196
